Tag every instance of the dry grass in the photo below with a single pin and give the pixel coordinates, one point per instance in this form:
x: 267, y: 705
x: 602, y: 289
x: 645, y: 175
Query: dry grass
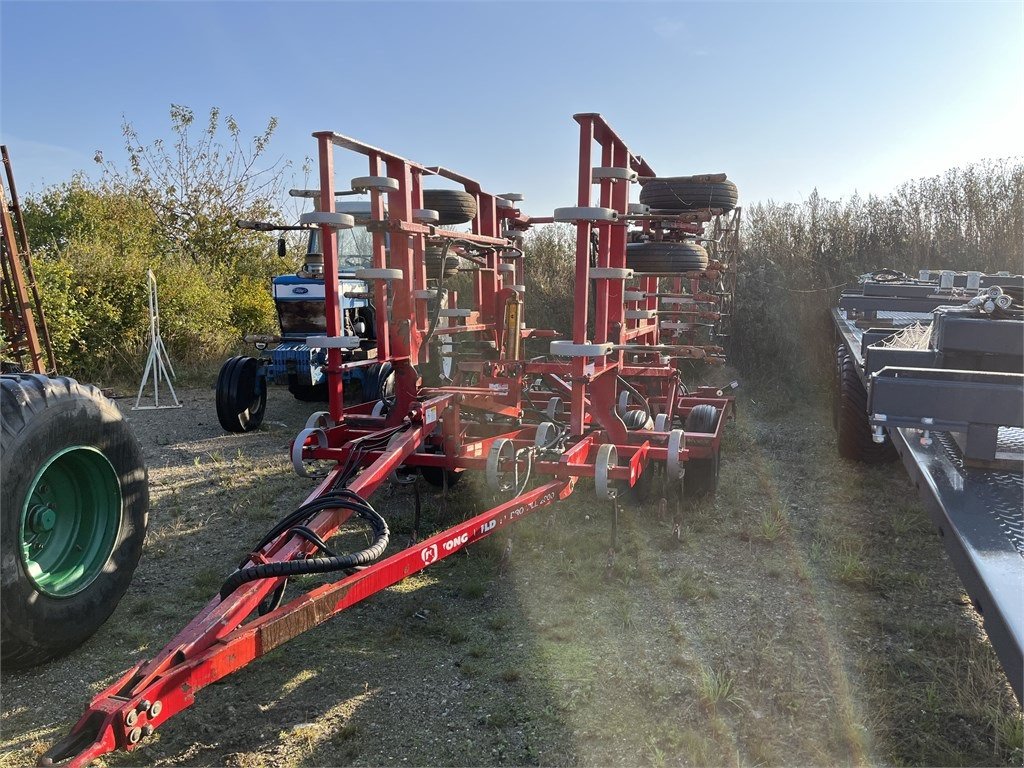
x: 775, y: 630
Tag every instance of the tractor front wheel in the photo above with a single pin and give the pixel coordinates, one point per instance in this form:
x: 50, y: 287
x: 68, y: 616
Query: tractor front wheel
x: 241, y: 396
x: 74, y: 505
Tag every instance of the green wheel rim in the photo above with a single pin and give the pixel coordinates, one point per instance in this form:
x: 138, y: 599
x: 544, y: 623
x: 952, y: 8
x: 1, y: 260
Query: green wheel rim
x: 70, y: 521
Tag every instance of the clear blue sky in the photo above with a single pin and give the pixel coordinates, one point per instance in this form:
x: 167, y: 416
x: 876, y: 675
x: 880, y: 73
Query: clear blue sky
x: 784, y: 97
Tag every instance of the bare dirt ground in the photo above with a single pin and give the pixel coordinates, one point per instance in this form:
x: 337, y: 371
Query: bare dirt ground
x: 807, y: 615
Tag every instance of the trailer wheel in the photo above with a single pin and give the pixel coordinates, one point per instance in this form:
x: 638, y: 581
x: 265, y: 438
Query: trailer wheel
x: 674, y: 193
x: 701, y: 476
x: 453, y: 206
x: 74, y: 506
x: 241, y: 396
x: 666, y: 257
x: 851, y: 409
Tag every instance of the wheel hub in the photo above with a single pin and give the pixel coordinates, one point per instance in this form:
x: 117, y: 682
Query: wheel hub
x: 70, y: 521
x: 41, y: 518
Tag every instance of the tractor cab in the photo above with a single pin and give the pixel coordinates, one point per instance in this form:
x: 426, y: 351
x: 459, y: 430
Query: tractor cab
x: 299, y: 297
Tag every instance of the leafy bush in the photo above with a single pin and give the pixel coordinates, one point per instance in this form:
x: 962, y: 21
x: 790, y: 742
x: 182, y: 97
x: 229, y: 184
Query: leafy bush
x: 550, y: 267
x: 172, y: 211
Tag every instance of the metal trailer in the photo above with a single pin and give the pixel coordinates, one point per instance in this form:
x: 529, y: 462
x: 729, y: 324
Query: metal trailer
x: 626, y: 415
x: 935, y: 365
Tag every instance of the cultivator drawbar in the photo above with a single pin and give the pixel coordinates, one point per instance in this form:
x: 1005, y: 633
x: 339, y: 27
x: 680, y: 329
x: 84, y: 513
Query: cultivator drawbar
x: 609, y: 403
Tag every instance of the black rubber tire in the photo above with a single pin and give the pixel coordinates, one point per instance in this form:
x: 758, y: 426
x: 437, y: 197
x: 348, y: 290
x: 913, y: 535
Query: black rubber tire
x: 666, y: 257
x: 639, y: 492
x: 701, y: 476
x: 309, y: 393
x: 41, y: 417
x: 674, y: 193
x: 851, y: 412
x: 637, y: 419
x: 380, y: 383
x: 432, y: 261
x: 453, y: 206
x: 435, y: 476
x: 239, y: 407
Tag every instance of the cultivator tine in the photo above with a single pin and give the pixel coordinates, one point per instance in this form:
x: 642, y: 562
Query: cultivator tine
x: 444, y: 495
x: 614, y: 545
x: 417, y: 512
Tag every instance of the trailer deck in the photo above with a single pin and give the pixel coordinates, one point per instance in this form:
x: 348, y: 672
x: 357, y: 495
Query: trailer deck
x: 976, y: 504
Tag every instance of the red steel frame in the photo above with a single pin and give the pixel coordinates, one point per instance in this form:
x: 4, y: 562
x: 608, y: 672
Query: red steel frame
x: 429, y: 427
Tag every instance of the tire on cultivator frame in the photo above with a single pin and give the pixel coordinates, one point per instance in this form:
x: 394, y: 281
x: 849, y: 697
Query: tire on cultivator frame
x: 850, y: 414
x: 436, y: 476
x: 241, y: 397
x: 378, y: 383
x: 453, y: 206
x: 701, y: 477
x: 635, y: 419
x: 675, y: 193
x: 666, y: 257
x: 432, y: 261
x: 74, y: 500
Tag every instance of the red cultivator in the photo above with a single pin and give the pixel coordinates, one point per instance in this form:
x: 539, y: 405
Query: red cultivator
x: 627, y: 418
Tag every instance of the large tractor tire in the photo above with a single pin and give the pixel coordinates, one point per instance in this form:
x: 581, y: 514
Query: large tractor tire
x: 666, y: 257
x: 701, y: 476
x: 675, y: 193
x: 74, y: 500
x: 453, y: 206
x: 851, y: 417
x: 241, y: 396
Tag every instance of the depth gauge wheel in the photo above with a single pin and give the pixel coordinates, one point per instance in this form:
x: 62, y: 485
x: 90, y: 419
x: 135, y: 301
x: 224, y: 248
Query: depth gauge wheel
x: 378, y: 383
x: 241, y: 396
x: 436, y: 269
x: 701, y: 475
x: 74, y: 504
x: 851, y: 417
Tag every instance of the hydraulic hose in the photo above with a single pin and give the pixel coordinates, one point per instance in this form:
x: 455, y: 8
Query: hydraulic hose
x: 294, y: 523
x: 327, y: 564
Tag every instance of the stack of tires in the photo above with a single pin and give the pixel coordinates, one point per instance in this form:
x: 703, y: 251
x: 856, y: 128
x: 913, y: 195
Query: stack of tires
x: 453, y: 206
x: 679, y: 194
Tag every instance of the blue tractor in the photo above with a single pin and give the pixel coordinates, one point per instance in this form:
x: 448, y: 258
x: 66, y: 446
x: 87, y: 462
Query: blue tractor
x: 289, y: 359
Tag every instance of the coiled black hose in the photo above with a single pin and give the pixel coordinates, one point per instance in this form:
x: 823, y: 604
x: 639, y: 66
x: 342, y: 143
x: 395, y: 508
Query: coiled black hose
x: 294, y: 522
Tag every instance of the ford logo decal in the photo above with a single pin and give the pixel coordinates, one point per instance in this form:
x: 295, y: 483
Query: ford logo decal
x: 300, y: 289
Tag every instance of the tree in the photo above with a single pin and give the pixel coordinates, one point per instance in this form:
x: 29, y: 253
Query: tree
x: 200, y: 184
x: 171, y: 209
